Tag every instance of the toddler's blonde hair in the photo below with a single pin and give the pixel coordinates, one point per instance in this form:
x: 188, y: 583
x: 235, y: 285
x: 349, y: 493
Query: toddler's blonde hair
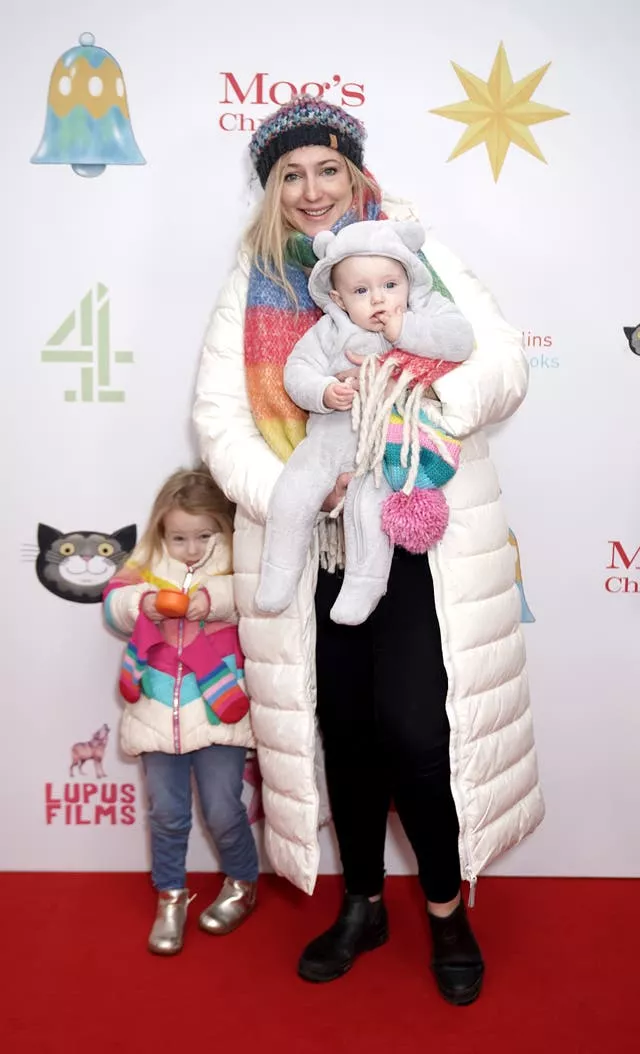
x: 192, y: 491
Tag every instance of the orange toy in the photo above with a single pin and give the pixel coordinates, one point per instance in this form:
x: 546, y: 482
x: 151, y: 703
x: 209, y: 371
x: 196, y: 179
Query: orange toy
x: 171, y: 603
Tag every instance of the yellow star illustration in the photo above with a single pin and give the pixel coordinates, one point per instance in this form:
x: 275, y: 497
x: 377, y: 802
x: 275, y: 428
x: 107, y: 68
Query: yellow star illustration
x: 499, y: 112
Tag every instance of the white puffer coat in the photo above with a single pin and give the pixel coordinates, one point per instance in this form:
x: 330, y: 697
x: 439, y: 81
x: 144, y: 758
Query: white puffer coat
x: 494, y: 774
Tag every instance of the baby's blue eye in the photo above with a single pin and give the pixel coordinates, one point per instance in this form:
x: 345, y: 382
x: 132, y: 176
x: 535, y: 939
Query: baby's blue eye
x: 360, y: 290
x: 390, y: 285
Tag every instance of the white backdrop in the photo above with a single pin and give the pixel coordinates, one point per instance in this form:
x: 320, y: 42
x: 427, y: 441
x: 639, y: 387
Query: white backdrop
x: 556, y: 243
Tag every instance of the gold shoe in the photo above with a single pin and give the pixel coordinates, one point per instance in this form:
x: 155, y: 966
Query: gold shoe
x: 167, y: 932
x: 235, y: 901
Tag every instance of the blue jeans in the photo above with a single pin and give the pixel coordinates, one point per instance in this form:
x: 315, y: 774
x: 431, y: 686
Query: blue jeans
x: 218, y: 773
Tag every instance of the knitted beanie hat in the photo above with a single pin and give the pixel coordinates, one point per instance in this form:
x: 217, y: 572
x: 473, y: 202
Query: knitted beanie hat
x: 306, y: 121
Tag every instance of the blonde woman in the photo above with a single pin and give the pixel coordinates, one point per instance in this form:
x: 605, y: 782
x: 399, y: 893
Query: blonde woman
x: 425, y: 704
x: 186, y: 710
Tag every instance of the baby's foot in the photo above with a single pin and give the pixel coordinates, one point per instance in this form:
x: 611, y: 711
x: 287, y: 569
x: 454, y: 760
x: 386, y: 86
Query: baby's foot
x: 276, y: 590
x: 358, y: 597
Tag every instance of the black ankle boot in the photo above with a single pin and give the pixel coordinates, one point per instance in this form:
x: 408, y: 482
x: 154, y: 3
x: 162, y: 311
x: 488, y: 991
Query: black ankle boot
x: 457, y: 960
x: 361, y: 926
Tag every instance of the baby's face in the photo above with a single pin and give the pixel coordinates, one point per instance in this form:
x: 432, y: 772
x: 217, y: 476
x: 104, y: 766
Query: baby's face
x: 367, y: 287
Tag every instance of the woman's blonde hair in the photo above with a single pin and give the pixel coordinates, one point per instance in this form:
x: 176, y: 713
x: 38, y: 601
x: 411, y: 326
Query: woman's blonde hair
x: 268, y: 234
x: 192, y: 491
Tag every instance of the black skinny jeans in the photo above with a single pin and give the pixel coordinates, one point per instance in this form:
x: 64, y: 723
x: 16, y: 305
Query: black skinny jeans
x: 382, y: 689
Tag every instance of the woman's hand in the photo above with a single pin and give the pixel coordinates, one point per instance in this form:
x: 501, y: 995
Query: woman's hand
x: 352, y: 377
x: 338, y: 492
x: 148, y: 607
x: 198, y: 607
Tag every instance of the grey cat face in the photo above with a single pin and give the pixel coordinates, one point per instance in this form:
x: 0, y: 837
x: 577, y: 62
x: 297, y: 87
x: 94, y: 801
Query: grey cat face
x: 78, y: 565
x: 632, y: 333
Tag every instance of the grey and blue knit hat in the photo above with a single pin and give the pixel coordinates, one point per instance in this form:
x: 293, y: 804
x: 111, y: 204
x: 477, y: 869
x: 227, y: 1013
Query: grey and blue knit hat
x: 306, y: 121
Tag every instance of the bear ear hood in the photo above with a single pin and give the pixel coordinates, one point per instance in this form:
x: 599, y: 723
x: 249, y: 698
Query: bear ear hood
x: 400, y: 241
x: 322, y: 243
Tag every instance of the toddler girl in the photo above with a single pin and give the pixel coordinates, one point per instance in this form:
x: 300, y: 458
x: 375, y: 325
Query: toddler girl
x: 187, y: 710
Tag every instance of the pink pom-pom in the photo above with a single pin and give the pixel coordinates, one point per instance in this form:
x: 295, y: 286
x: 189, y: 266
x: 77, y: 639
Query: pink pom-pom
x: 415, y: 521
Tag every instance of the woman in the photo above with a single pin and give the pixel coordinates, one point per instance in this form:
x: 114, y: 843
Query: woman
x: 426, y: 704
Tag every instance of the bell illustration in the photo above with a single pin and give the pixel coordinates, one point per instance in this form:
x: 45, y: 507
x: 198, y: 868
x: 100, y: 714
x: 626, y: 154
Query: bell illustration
x: 88, y: 124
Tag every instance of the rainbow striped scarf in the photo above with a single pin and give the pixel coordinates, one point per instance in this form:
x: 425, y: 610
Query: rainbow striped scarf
x: 273, y: 327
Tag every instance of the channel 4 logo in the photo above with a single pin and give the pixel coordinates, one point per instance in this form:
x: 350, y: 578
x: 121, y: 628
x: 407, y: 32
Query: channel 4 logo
x: 84, y: 340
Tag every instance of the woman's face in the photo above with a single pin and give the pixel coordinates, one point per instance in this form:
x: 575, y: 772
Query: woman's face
x: 317, y: 189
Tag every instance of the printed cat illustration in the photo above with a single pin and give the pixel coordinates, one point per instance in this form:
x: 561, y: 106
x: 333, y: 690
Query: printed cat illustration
x: 77, y: 566
x: 632, y: 333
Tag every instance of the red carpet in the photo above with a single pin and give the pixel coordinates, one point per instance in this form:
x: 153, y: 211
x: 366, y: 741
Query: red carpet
x: 562, y: 973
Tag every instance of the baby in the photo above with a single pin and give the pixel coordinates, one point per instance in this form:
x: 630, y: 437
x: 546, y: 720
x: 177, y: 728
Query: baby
x: 377, y: 296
